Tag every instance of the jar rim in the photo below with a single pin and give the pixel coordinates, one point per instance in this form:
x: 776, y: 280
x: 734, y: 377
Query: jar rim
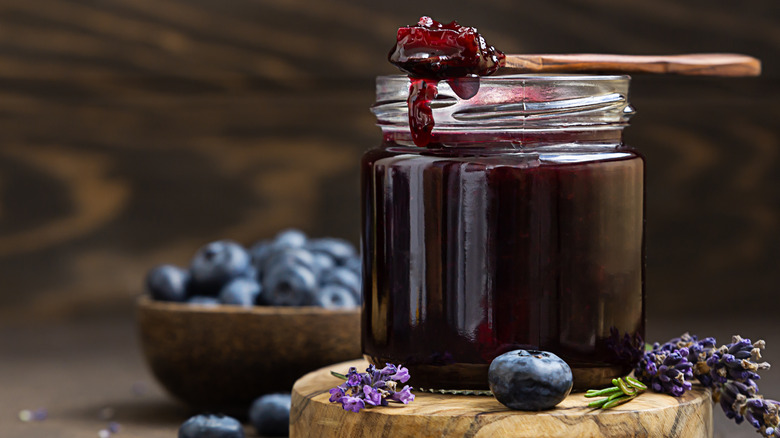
x: 535, y: 77
x: 516, y: 101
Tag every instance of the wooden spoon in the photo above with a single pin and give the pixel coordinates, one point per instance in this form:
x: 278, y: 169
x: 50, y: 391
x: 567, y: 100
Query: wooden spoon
x: 697, y: 64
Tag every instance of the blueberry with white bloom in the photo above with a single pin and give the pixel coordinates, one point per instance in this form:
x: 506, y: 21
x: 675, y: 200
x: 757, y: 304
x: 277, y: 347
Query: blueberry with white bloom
x: 529, y: 380
x: 168, y: 283
x: 335, y: 297
x: 290, y: 238
x: 211, y: 426
x: 322, y: 262
x: 339, y: 249
x: 289, y: 257
x: 240, y: 291
x: 355, y: 265
x: 344, y: 277
x: 217, y: 263
x: 289, y: 285
x: 270, y: 414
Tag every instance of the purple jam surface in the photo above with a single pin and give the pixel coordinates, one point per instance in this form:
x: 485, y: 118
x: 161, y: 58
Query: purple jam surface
x: 431, y: 51
x: 468, y: 255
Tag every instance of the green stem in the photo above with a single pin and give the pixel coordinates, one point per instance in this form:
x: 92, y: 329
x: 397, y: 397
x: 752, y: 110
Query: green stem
x: 623, y: 392
x: 627, y: 389
x: 618, y: 401
x: 598, y: 403
x: 601, y: 392
x: 636, y: 383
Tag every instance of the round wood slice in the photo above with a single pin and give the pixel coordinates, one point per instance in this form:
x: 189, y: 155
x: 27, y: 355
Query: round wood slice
x: 436, y: 415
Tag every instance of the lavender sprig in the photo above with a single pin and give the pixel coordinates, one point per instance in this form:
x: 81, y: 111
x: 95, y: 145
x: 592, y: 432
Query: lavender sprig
x: 669, y: 367
x: 730, y: 371
x: 375, y: 387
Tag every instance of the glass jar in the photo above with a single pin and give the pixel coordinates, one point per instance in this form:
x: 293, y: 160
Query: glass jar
x: 521, y: 225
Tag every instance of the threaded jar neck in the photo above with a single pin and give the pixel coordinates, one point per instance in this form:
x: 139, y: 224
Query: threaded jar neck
x: 524, y: 108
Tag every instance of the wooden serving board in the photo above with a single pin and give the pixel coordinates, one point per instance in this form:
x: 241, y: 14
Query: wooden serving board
x: 436, y: 415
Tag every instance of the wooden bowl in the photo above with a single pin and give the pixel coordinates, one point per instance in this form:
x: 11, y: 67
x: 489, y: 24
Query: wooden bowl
x: 223, y: 357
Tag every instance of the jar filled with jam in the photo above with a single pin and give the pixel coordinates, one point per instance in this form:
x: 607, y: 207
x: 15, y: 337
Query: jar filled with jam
x: 519, y: 224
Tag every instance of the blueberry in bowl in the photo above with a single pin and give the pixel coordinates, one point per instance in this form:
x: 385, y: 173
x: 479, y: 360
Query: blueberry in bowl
x: 240, y: 291
x: 168, y: 283
x: 217, y: 263
x: 289, y: 285
x: 239, y: 323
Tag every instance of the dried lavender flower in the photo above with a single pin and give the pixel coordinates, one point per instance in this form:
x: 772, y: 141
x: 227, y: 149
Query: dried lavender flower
x: 375, y: 387
x: 738, y: 361
x: 627, y: 348
x: 354, y: 404
x: 741, y: 401
x: 698, y: 353
x: 731, y: 372
x: 732, y: 397
x: 404, y: 396
x: 666, y: 369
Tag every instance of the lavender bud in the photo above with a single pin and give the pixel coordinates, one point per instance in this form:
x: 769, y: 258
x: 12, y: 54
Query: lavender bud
x: 737, y: 361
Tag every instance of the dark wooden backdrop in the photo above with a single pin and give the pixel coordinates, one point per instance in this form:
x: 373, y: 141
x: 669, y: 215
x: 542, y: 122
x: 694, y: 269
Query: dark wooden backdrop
x: 133, y: 131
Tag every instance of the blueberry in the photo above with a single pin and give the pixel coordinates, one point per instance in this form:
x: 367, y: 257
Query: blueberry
x: 249, y: 272
x: 167, y: 283
x: 259, y: 252
x: 217, y: 263
x: 529, y: 380
x: 289, y: 285
x: 322, y: 262
x: 339, y: 249
x: 211, y: 426
x: 289, y: 257
x: 344, y: 277
x: 355, y: 265
x: 291, y: 238
x: 270, y: 415
x: 202, y: 300
x: 240, y: 291
x: 335, y: 297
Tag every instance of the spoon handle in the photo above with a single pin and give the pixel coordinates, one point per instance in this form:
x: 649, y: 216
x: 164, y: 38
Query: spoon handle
x: 696, y: 64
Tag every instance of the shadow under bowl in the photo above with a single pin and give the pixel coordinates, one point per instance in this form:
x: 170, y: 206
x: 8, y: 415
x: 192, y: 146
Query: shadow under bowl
x: 223, y: 357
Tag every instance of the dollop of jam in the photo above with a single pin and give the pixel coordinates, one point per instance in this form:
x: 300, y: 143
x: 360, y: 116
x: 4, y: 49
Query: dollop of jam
x: 431, y: 51
x: 434, y: 50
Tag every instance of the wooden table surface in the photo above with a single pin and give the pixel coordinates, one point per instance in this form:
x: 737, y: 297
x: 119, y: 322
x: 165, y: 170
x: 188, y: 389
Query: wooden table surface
x: 81, y: 371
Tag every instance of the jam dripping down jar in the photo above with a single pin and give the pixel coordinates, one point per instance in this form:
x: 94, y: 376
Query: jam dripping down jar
x: 520, y: 225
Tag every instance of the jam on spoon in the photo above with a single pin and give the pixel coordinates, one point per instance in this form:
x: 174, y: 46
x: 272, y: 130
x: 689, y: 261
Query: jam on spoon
x: 431, y: 51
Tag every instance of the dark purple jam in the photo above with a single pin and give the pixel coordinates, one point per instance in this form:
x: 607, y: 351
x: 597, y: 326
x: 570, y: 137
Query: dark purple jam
x: 435, y: 50
x: 431, y: 51
x: 470, y: 253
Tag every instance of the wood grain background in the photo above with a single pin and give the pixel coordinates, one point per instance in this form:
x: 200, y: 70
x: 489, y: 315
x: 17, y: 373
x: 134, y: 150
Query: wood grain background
x: 133, y: 131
